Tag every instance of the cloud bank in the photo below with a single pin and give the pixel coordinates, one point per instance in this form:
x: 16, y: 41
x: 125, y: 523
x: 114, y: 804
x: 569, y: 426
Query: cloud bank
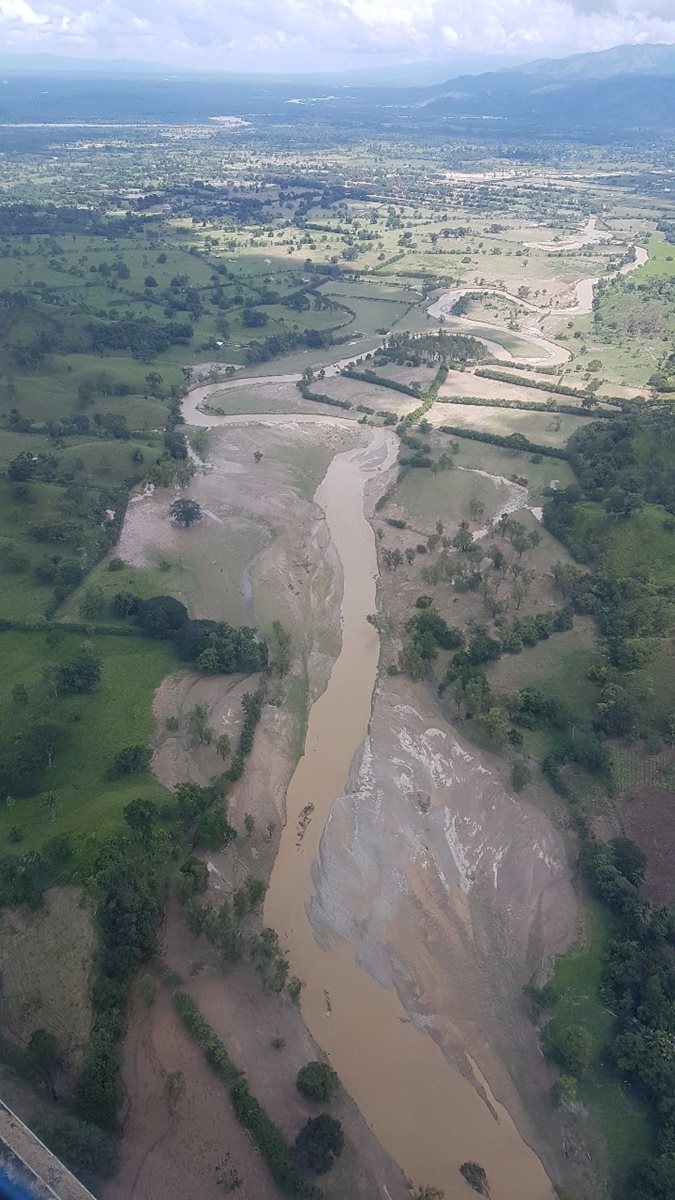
x: 283, y: 34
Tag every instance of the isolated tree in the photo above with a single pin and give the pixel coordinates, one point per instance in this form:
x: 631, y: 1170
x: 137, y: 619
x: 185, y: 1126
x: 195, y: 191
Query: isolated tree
x: 629, y: 859
x: 520, y: 542
x: 43, y: 739
x: 392, y: 558
x: 494, y: 724
x: 185, y: 512
x: 161, y: 616
x: 141, y: 817
x: 50, y: 805
x: 223, y: 746
x: 80, y: 675
x: 282, y: 656
x: 132, y: 760
x: 520, y: 775
x: 463, y: 539
x: 174, y: 1089
x: 93, y: 603
x: 318, y: 1081
x: 153, y: 383
x: 565, y: 1090
x: 475, y: 1177
x: 198, y: 725
x: 319, y: 1143
x: 568, y: 1045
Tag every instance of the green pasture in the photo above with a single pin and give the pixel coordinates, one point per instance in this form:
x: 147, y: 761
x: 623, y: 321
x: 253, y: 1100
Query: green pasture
x: 497, y: 460
x: 548, y: 429
x: 95, y: 727
x: 617, y: 1115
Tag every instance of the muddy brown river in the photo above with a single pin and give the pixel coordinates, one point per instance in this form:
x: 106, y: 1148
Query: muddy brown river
x: 429, y: 1116
x: 425, y: 1114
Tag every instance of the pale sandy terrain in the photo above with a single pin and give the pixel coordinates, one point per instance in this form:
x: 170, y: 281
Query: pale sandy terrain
x: 451, y: 890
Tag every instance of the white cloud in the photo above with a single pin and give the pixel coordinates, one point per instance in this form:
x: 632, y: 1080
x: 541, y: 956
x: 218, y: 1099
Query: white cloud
x: 18, y: 11
x: 282, y: 32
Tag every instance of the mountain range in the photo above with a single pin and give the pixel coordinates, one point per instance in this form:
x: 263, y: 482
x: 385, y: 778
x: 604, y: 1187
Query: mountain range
x: 627, y: 92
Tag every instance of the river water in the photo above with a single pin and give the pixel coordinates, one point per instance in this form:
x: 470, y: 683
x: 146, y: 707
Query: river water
x: 426, y: 1114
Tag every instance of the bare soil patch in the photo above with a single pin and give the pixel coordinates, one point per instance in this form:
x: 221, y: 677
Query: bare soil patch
x: 248, y: 1019
x: 647, y: 815
x: 167, y: 1155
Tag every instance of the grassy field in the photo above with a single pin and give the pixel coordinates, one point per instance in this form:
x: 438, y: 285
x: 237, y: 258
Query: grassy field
x: 546, y: 428
x: 620, y: 1121
x: 24, y: 593
x: 642, y: 542
x: 499, y: 461
x: 661, y: 258
x: 95, y: 727
x: 173, y: 578
x: 447, y: 495
x: 558, y: 665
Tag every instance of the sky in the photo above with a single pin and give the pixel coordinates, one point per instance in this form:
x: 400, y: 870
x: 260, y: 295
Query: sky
x: 319, y: 35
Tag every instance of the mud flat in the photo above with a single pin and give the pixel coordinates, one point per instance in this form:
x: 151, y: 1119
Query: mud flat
x: 587, y: 236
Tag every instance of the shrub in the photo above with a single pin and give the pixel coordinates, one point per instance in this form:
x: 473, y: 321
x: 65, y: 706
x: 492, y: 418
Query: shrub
x: 132, y: 760
x: 564, y: 1091
x: 568, y: 1045
x: 475, y: 1177
x: 520, y: 776
x: 320, y: 1142
x: 318, y: 1081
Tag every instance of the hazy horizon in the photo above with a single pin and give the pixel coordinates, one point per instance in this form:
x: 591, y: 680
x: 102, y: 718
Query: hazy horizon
x: 331, y: 36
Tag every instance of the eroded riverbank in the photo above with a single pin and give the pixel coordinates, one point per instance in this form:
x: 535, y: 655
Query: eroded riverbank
x: 427, y: 1113
x: 383, y: 995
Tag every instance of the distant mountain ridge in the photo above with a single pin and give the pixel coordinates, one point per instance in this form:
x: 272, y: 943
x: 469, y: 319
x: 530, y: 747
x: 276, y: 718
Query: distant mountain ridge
x: 626, y: 93
x: 62, y: 64
x: 653, y: 58
x: 625, y: 90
